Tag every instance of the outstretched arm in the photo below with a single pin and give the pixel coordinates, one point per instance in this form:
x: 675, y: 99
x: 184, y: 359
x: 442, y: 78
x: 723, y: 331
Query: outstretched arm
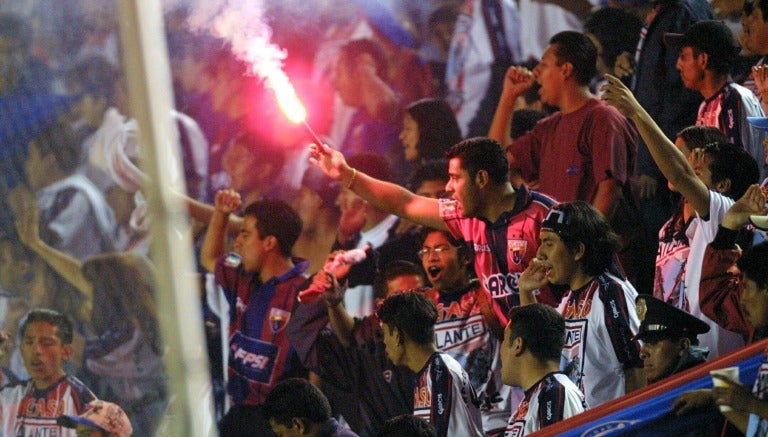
x: 69, y: 267
x: 225, y: 202
x: 383, y: 195
x: 671, y: 161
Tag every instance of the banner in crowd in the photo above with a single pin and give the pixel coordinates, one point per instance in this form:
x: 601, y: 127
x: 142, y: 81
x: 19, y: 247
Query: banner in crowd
x: 649, y: 411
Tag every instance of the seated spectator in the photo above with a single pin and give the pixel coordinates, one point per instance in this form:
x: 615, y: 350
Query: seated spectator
x: 296, y: 407
x: 46, y: 344
x: 124, y: 351
x: 670, y: 338
x: 530, y: 355
x: 101, y: 419
x: 442, y: 394
x: 578, y: 250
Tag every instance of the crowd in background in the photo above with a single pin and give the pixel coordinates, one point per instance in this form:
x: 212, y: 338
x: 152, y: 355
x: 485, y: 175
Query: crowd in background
x: 458, y: 136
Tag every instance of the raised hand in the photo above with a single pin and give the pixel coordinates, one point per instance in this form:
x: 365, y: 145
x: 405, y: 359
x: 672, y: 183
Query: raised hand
x: 517, y: 81
x: 227, y: 201
x: 535, y: 276
x: 616, y: 94
x: 751, y: 203
x: 330, y: 161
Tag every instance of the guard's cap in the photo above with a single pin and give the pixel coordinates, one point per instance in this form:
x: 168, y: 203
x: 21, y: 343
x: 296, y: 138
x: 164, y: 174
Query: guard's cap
x: 660, y: 320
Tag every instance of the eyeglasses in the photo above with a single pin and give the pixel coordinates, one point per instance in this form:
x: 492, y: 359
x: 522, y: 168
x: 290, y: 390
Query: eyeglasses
x: 437, y: 250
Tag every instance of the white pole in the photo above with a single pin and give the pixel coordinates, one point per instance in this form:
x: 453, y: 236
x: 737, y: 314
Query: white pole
x: 145, y: 59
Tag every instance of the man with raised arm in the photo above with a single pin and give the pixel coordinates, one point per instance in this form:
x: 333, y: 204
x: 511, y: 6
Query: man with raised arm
x: 498, y: 223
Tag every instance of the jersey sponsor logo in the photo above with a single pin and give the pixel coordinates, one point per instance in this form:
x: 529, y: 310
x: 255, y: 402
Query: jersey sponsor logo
x: 422, y: 398
x: 251, y: 358
x: 518, y: 249
x: 515, y: 429
x: 579, y: 308
x: 572, y: 361
x: 481, y: 247
x: 460, y: 333
x: 278, y: 319
x: 501, y: 285
x: 34, y: 407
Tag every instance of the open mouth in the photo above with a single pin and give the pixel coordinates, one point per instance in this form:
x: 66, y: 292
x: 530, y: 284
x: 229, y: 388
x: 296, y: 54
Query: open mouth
x: 434, y: 271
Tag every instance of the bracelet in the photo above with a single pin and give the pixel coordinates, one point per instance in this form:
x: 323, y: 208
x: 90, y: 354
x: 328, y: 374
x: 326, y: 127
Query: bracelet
x: 352, y: 179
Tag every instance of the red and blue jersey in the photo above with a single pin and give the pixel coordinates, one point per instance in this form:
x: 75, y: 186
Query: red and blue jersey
x: 258, y: 344
x: 502, y: 250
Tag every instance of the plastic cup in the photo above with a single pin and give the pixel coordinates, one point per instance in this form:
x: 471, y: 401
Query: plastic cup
x: 729, y: 372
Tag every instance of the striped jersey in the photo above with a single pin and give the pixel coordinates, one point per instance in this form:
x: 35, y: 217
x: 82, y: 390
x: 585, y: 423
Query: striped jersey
x: 549, y: 401
x: 26, y: 411
x: 444, y: 397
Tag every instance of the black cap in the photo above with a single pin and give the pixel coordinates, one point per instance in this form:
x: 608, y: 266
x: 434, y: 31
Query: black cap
x: 660, y: 320
x: 712, y: 37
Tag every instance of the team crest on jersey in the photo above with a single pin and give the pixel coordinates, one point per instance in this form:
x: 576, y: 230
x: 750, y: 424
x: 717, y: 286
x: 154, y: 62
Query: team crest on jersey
x: 518, y: 248
x: 278, y: 319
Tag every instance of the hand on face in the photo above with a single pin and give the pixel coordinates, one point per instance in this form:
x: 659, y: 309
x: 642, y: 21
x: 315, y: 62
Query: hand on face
x: 535, y: 276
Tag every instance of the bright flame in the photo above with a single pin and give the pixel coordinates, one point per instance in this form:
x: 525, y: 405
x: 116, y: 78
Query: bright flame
x: 286, y: 97
x: 266, y: 61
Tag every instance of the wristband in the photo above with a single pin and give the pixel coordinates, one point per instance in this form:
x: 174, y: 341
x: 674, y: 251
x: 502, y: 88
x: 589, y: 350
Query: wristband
x: 352, y: 179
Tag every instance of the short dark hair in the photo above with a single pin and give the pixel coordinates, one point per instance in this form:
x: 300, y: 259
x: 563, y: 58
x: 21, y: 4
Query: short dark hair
x: 356, y: 47
x: 482, y: 153
x: 407, y: 425
x: 428, y: 171
x: 62, y: 322
x: 438, y: 128
x: 730, y: 161
x: 576, y: 48
x: 391, y: 271
x: 296, y: 398
x: 586, y: 225
x: 60, y: 139
x: 697, y: 136
x: 277, y: 218
x: 752, y: 264
x: 542, y: 329
x: 462, y: 251
x: 618, y: 30
x: 412, y: 313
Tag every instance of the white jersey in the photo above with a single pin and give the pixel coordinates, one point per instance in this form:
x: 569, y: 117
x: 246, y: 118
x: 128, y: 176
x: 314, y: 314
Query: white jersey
x: 444, y: 397
x: 549, y: 401
x: 26, y: 411
x: 462, y: 332
x: 600, y: 322
x: 678, y: 273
